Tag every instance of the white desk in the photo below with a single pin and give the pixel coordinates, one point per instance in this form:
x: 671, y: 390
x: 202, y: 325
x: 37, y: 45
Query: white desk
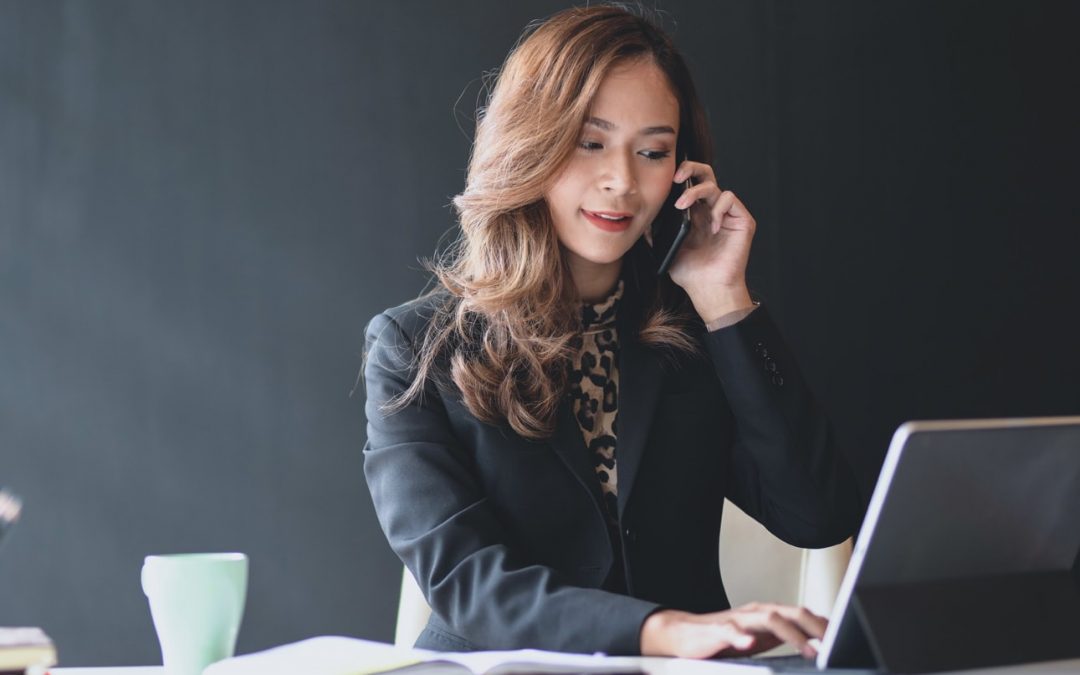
x: 659, y: 666
x: 136, y: 670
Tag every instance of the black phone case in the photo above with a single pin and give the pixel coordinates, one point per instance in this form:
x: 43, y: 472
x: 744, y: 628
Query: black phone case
x: 670, y: 240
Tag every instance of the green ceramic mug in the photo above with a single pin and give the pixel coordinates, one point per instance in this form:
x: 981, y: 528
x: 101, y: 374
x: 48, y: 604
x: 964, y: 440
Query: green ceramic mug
x: 196, y: 601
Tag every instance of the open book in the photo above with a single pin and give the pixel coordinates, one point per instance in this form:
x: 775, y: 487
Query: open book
x: 332, y: 655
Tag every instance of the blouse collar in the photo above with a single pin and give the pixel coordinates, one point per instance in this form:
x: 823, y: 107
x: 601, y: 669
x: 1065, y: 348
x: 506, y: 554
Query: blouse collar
x: 602, y: 314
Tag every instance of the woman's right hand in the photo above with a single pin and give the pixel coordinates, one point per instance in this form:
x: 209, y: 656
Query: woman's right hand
x: 741, y: 631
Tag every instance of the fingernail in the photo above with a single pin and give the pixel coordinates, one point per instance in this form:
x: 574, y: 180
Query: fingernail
x: 680, y: 203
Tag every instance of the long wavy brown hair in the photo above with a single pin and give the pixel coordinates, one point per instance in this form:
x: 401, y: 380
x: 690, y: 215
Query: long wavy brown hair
x: 504, y: 331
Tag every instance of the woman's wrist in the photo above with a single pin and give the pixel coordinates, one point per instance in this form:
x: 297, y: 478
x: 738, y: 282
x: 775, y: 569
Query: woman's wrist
x: 715, y: 303
x: 729, y: 319
x: 653, y: 633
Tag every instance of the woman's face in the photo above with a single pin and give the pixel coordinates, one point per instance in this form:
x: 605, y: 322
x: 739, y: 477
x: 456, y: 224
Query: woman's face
x: 624, y: 164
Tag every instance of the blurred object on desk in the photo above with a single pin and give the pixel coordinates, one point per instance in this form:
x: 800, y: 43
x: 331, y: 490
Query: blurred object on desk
x: 10, y: 508
x: 25, y: 649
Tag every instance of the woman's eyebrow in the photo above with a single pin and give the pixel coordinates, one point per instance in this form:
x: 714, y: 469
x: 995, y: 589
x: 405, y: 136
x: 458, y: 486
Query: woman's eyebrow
x: 647, y: 131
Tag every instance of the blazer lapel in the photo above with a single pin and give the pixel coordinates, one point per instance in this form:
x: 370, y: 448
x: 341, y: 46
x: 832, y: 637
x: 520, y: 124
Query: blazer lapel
x: 569, y: 445
x: 639, y: 384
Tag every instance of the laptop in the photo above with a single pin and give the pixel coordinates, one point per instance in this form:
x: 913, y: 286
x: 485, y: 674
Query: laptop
x: 969, y: 554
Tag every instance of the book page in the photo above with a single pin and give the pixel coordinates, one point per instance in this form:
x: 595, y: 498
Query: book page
x: 326, y: 655
x: 333, y: 655
x: 538, y: 661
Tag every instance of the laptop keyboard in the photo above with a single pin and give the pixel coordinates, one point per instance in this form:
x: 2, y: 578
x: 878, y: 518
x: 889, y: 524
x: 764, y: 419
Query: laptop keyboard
x: 774, y: 662
x: 794, y: 663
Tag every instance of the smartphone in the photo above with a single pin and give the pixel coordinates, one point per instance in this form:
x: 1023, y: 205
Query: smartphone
x: 680, y: 235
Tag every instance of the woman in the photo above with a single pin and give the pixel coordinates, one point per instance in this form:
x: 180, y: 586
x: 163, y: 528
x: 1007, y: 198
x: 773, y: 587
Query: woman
x: 553, y: 429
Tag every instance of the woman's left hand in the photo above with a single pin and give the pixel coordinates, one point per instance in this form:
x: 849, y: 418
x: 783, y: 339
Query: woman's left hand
x: 711, y: 263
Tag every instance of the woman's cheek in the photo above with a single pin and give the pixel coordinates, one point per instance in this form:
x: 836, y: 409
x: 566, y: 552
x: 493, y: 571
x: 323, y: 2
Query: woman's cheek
x: 662, y: 195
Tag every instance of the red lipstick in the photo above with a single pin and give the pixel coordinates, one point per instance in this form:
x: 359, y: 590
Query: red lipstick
x: 607, y: 224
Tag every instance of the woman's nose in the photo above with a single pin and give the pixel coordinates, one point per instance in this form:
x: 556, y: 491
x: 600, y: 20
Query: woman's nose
x: 618, y: 176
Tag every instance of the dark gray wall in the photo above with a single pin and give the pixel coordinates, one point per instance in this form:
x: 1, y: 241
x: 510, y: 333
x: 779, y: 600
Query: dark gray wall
x: 202, y: 203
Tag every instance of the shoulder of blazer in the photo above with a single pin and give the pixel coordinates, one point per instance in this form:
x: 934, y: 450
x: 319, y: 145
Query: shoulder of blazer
x: 413, y: 317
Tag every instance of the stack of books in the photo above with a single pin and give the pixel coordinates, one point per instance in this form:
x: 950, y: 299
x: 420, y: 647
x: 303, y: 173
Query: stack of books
x: 22, y: 650
x: 25, y: 650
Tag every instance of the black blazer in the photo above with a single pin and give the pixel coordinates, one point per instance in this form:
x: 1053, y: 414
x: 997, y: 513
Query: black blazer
x: 507, y: 536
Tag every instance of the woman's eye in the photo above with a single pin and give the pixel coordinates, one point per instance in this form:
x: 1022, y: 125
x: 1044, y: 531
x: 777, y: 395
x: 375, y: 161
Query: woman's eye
x: 653, y: 155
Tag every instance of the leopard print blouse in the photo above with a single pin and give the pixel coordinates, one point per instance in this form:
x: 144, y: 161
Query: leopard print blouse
x: 594, y: 390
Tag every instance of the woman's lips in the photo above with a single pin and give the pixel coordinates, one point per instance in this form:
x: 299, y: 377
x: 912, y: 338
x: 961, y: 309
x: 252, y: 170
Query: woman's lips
x: 608, y: 225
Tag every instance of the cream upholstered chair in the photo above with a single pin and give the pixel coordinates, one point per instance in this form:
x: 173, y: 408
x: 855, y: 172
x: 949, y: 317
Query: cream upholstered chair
x: 756, y: 567
x: 412, y: 613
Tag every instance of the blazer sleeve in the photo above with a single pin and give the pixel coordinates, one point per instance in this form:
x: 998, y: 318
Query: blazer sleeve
x: 786, y: 471
x: 438, y: 521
